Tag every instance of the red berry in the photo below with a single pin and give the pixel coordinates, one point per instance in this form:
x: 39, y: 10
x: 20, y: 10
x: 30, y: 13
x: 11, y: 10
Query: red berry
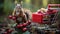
x: 14, y: 18
x: 5, y: 33
x: 54, y: 11
x: 24, y: 29
x: 49, y: 6
x: 19, y: 26
x: 29, y: 22
x: 24, y: 24
x: 10, y: 17
x: 9, y: 31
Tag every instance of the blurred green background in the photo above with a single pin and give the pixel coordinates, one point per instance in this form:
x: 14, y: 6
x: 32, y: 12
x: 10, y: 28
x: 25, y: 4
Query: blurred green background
x: 7, y: 6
